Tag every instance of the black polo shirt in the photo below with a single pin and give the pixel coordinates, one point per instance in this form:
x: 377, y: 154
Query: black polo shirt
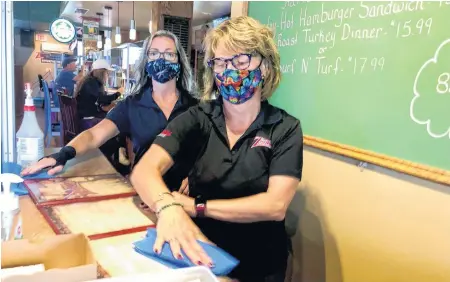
x: 140, y: 118
x: 273, y: 145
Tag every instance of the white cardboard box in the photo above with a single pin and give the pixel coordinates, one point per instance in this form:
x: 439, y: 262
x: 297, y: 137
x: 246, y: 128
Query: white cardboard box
x: 67, y: 258
x: 190, y: 274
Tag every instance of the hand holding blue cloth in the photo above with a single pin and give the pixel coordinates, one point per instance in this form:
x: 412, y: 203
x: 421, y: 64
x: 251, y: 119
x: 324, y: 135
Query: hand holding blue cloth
x: 224, y: 263
x: 19, y: 188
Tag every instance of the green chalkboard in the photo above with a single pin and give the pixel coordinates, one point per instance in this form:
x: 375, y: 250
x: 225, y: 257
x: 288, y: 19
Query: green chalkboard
x: 373, y: 75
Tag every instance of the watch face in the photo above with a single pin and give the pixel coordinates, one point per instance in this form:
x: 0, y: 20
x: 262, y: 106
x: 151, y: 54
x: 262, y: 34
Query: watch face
x: 200, y: 209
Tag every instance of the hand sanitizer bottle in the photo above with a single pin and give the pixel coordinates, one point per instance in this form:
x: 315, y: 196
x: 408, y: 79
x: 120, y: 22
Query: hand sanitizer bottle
x: 11, y: 221
x: 30, y: 138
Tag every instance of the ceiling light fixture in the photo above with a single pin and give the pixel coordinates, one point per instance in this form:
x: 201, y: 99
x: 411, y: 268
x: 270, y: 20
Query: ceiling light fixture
x: 99, y: 42
x: 80, y: 48
x: 108, y: 32
x: 150, y: 23
x: 99, y: 37
x: 133, y: 27
x: 118, y: 36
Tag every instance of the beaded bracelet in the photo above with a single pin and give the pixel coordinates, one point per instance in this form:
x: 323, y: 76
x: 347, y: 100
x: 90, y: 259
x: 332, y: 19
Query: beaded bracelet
x: 167, y: 206
x: 161, y: 197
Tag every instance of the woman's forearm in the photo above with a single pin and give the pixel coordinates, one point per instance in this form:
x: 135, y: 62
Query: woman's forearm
x: 84, y: 142
x: 260, y: 207
x: 147, y: 179
x: 107, y: 99
x: 254, y: 208
x: 94, y: 137
x: 150, y: 186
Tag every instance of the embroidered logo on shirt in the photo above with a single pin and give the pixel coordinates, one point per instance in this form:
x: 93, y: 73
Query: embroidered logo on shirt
x: 261, y: 142
x: 165, y: 133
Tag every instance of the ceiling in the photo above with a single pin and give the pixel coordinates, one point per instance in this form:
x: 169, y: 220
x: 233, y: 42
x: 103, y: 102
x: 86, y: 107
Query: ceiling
x: 141, y: 12
x: 35, y: 15
x: 204, y: 11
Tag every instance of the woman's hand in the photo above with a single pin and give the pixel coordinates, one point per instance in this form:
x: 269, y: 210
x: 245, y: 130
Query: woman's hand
x: 184, y: 188
x: 187, y: 202
x: 176, y: 227
x: 42, y: 164
x: 108, y: 107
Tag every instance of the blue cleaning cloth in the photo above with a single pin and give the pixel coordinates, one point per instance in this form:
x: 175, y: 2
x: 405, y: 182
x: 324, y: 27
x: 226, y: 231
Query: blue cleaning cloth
x: 19, y: 188
x: 158, y: 259
x: 224, y: 263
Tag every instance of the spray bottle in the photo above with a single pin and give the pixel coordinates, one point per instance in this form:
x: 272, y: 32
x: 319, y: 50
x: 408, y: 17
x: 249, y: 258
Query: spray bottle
x: 30, y: 138
x: 10, y: 209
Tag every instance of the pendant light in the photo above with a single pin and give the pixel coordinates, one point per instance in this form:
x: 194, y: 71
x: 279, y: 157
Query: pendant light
x: 150, y: 23
x: 99, y: 37
x: 133, y: 27
x: 118, y: 36
x: 108, y: 41
x: 99, y: 42
x: 80, y: 48
x: 107, y: 32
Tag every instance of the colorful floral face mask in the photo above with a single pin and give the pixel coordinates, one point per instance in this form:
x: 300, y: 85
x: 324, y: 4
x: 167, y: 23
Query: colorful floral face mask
x: 162, y: 70
x: 238, y: 86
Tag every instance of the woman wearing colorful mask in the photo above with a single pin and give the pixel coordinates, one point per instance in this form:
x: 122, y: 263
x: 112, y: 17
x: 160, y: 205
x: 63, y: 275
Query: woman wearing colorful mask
x: 164, y: 89
x: 248, y: 160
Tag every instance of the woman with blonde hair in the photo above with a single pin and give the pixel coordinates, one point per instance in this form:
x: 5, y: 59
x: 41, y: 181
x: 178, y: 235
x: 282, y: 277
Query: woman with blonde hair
x: 92, y: 101
x: 248, y: 159
x: 164, y: 89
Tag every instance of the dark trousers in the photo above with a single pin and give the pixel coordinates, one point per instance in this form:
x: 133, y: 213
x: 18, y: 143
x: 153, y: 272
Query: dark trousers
x: 279, y: 276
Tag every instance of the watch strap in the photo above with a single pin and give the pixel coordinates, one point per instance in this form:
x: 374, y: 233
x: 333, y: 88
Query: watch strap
x: 200, y: 206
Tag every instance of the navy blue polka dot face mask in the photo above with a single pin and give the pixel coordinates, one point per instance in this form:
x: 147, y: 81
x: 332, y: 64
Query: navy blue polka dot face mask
x: 162, y: 70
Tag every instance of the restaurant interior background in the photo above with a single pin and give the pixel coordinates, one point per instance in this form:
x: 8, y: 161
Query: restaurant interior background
x: 376, y: 225
x: 36, y: 50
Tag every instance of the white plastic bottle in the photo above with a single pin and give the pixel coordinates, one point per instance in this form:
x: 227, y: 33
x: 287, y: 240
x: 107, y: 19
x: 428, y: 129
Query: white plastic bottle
x: 11, y: 220
x: 30, y: 138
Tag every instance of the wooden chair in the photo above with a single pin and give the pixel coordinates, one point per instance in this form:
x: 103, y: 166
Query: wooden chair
x: 69, y: 116
x: 52, y: 129
x: 39, y: 101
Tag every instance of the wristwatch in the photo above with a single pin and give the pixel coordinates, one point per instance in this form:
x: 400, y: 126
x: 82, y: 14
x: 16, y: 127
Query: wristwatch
x: 200, y: 206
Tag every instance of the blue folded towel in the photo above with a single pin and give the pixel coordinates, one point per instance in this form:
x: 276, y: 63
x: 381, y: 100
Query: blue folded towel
x: 224, y: 263
x: 19, y: 188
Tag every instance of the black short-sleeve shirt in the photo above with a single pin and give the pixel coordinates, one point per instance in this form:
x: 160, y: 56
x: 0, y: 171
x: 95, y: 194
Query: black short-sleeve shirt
x: 140, y: 118
x: 273, y: 145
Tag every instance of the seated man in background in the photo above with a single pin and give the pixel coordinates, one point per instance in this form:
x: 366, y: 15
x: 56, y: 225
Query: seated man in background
x: 66, y: 77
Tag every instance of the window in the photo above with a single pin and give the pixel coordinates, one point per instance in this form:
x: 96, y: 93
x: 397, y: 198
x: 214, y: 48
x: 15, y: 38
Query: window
x: 180, y: 27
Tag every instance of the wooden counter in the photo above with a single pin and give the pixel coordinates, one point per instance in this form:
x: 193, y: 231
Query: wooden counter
x: 34, y: 225
x: 92, y: 163
x: 36, y: 228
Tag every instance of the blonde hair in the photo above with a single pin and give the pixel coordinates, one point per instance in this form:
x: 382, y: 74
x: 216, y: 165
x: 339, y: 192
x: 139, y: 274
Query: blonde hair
x: 99, y: 74
x: 186, y: 81
x: 243, y: 34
